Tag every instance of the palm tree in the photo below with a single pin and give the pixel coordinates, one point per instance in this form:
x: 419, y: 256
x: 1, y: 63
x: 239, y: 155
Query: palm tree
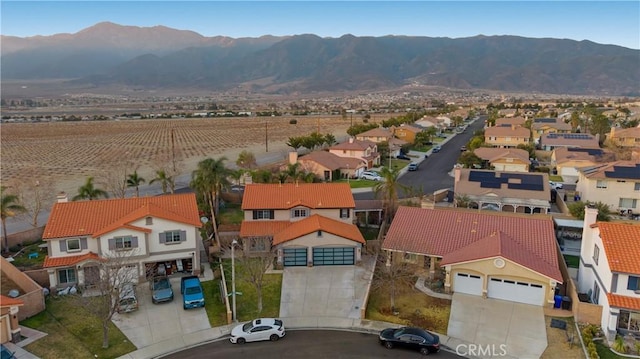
x: 388, y: 190
x: 166, y: 182
x: 10, y: 207
x: 208, y: 180
x: 89, y: 191
x: 134, y: 180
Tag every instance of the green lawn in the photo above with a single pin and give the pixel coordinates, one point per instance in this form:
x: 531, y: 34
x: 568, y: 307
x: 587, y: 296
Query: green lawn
x: 73, y: 333
x: 605, y: 353
x: 231, y: 214
x: 572, y: 261
x: 215, y: 307
x: 555, y: 178
x: 369, y: 233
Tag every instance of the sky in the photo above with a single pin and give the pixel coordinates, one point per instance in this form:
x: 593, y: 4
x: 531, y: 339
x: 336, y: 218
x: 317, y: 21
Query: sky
x: 604, y: 22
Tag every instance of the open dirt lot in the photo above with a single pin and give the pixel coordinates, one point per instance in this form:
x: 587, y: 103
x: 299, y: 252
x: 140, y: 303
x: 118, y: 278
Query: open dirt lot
x: 69, y: 152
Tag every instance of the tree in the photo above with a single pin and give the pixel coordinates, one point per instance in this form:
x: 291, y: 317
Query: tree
x: 469, y: 159
x: 475, y: 143
x: 209, y: 180
x: 167, y: 182
x: 10, y: 207
x: 246, y: 160
x: 577, y: 210
x: 295, y: 142
x: 134, y: 180
x: 461, y: 200
x: 118, y: 163
x: 575, y: 120
x: 105, y: 278
x: 392, y: 273
x: 600, y: 126
x: 387, y: 190
x: 89, y: 192
x: 254, y: 268
x: 35, y: 192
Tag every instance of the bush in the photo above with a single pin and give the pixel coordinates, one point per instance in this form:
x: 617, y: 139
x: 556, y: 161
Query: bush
x: 542, y: 169
x: 293, y: 121
x: 618, y: 345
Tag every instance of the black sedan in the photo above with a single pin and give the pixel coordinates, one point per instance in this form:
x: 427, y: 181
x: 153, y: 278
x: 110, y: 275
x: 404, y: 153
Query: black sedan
x: 410, y: 338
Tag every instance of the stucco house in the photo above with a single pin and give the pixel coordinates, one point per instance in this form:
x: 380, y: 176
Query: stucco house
x: 376, y: 135
x: 541, y: 126
x: 503, y: 191
x: 568, y: 160
x: 363, y: 150
x: 407, y: 132
x: 428, y: 121
x: 616, y: 184
x: 148, y: 232
x: 610, y: 273
x: 506, y: 137
x: 551, y: 141
x: 495, y: 255
x: 625, y: 137
x: 9, y: 327
x: 505, y: 159
x: 511, y: 121
x: 307, y: 224
x: 328, y: 166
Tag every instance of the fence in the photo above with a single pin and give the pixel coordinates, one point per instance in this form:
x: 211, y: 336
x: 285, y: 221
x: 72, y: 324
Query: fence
x: 30, y: 235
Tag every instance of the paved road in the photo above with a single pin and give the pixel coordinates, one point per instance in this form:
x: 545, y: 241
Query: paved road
x: 433, y: 173
x: 308, y: 344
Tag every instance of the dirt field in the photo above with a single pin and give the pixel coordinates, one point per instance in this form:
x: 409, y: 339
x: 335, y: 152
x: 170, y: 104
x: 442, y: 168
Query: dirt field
x: 69, y: 152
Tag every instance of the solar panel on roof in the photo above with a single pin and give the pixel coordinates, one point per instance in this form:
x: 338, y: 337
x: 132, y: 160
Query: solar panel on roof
x: 544, y: 120
x: 590, y: 151
x: 624, y: 172
x: 490, y: 184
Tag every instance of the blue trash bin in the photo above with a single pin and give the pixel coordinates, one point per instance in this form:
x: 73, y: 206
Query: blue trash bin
x: 557, y: 301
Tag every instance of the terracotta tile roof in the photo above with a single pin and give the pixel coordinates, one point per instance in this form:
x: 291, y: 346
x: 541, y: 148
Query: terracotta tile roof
x: 510, y: 121
x: 622, y: 301
x: 502, y: 131
x: 289, y: 195
x: 633, y: 132
x: 621, y: 243
x: 611, y: 170
x: 410, y: 128
x: 499, y: 244
x: 438, y: 232
x: 492, y: 154
x: 262, y: 228
x: 558, y: 124
x: 472, y: 188
x: 94, y: 218
x: 318, y: 223
x: 568, y: 139
x: 332, y: 161
x: 10, y: 302
x: 354, y: 145
x: 50, y: 262
x: 376, y: 132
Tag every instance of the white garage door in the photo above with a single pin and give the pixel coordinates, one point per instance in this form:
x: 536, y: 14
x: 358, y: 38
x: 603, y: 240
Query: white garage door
x: 467, y: 283
x: 515, y: 291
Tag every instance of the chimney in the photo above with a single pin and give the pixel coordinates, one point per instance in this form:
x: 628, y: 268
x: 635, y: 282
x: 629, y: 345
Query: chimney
x: 613, y: 131
x: 590, y: 216
x: 456, y: 174
x: 513, y: 126
x: 293, y: 157
x: 62, y: 197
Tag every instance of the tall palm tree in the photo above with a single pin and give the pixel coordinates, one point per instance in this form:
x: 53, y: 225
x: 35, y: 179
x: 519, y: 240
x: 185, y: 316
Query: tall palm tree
x: 167, y: 182
x: 134, y: 180
x: 9, y: 208
x: 89, y: 191
x: 208, y: 180
x: 387, y: 190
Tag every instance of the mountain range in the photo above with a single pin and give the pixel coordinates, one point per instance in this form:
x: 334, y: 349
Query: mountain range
x: 160, y: 57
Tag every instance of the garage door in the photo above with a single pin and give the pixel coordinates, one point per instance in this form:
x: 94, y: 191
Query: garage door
x: 516, y: 291
x: 333, y: 256
x: 295, y: 257
x: 467, y: 283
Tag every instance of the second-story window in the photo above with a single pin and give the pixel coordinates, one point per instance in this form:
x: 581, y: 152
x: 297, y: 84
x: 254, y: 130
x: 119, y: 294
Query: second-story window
x: 636, y: 186
x: 344, y: 212
x: 299, y: 213
x: 601, y: 184
x: 633, y: 283
x: 124, y: 242
x: 596, y: 253
x: 172, y: 236
x: 263, y: 214
x: 73, y: 245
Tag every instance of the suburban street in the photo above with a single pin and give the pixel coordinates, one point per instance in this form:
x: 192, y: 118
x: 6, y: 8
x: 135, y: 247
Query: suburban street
x: 309, y: 344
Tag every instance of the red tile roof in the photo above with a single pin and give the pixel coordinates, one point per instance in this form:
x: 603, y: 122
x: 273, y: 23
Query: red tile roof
x: 318, y: 223
x: 493, y: 154
x: 94, y: 218
x: 499, y: 244
x: 622, y: 301
x: 439, y: 232
x: 10, y: 302
x: 621, y: 243
x: 262, y: 228
x: 332, y: 161
x: 353, y: 145
x: 289, y: 195
x: 68, y: 261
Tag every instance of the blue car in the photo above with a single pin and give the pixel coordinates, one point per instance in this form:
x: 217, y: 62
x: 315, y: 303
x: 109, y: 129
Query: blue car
x: 161, y: 290
x: 5, y: 353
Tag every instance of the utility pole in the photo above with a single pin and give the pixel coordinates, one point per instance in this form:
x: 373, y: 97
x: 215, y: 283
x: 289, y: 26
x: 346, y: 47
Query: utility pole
x: 266, y: 135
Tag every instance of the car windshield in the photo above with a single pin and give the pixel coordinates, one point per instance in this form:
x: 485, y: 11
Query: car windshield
x: 398, y: 332
x: 247, y: 327
x: 192, y: 290
x: 162, y: 284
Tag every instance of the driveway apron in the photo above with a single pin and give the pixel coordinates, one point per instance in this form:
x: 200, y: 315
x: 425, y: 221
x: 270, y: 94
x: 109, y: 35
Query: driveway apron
x: 493, y: 322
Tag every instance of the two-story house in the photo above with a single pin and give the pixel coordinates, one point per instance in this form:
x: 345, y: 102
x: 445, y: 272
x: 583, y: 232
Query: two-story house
x: 610, y: 273
x: 616, y: 184
x: 328, y: 166
x: 308, y: 224
x: 376, y: 135
x: 541, y: 126
x: 625, y: 137
x: 551, y: 141
x: 505, y: 159
x: 567, y: 160
x: 407, y: 132
x: 149, y: 233
x: 507, y: 137
x: 364, y: 150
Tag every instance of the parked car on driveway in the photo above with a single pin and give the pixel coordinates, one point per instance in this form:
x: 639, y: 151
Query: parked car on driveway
x: 371, y: 176
x: 127, y: 298
x: 410, y: 338
x: 555, y: 185
x: 192, y: 295
x: 161, y: 290
x: 402, y: 156
x: 257, y: 330
x: 413, y: 166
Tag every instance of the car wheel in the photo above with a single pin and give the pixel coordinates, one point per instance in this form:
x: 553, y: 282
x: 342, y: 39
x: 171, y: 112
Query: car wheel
x: 424, y: 351
x: 388, y: 345
x: 274, y: 337
x: 241, y: 341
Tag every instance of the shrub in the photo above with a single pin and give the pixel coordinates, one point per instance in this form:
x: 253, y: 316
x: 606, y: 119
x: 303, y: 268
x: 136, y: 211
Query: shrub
x: 637, y: 345
x: 618, y: 345
x: 293, y: 121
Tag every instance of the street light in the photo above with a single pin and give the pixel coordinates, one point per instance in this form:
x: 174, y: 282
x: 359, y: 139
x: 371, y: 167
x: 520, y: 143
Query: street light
x: 233, y: 280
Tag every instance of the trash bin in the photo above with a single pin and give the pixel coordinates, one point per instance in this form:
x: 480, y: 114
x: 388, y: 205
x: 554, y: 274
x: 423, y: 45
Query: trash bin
x: 557, y: 301
x: 566, y: 303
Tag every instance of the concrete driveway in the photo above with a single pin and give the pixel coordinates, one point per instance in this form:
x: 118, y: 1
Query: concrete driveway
x: 492, y: 322
x: 325, y: 291
x: 154, y: 323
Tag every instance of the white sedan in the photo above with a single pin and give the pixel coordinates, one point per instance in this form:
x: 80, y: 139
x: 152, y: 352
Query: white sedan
x: 257, y: 330
x: 555, y: 185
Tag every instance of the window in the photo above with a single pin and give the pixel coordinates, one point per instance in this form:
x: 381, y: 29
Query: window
x: 628, y: 203
x: 263, y: 214
x: 596, y: 253
x: 125, y: 242
x: 257, y: 245
x: 636, y: 186
x: 410, y: 257
x: 319, y: 233
x: 344, y: 212
x: 148, y: 221
x: 172, y: 237
x: 299, y: 213
x: 66, y: 276
x: 596, y: 293
x: 601, y: 184
x: 73, y: 245
x: 633, y: 283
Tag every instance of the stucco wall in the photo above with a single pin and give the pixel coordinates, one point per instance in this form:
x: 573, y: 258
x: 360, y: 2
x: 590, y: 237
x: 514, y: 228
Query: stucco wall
x: 610, y: 195
x: 30, y: 291
x: 285, y: 215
